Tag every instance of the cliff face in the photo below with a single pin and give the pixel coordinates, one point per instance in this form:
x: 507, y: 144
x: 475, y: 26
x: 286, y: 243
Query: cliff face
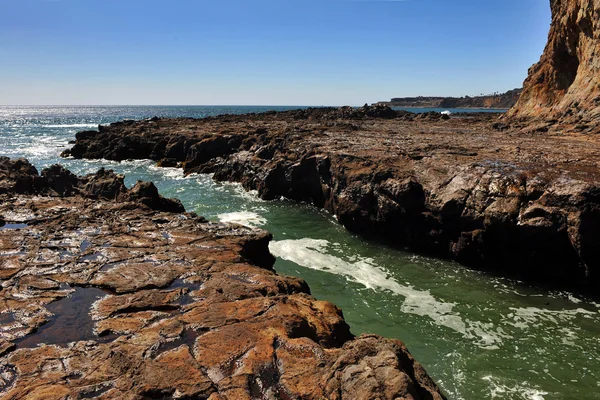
x: 565, y: 84
x: 504, y: 101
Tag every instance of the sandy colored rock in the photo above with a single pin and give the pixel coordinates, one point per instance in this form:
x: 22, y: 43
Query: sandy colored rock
x: 564, y: 86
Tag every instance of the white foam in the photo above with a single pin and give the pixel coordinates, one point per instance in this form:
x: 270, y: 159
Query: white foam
x: 246, y: 218
x: 71, y: 126
x: 312, y: 253
x: 238, y: 190
x: 168, y: 172
x: 499, y: 390
x: 530, y: 316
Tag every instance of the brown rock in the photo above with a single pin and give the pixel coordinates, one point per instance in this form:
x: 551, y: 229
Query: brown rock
x: 190, y: 309
x: 564, y: 85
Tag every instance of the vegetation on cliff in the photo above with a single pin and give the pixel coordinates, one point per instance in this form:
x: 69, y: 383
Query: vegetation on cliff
x: 494, y: 101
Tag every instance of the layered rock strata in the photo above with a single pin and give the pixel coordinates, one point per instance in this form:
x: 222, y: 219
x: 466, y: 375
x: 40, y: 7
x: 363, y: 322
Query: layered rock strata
x: 468, y: 188
x: 109, y: 292
x: 564, y: 86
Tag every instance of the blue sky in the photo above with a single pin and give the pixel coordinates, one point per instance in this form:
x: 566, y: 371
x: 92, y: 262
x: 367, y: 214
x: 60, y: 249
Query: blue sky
x: 271, y: 52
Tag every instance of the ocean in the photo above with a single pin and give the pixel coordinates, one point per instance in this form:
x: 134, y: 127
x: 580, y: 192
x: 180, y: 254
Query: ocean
x: 479, y: 336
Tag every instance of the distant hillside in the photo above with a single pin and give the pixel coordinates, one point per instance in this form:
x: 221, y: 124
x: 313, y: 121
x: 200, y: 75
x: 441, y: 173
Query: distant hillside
x: 504, y: 100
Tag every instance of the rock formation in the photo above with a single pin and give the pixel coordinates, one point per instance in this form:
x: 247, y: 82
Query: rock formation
x: 564, y: 86
x: 496, y: 101
x: 109, y: 292
x: 468, y: 188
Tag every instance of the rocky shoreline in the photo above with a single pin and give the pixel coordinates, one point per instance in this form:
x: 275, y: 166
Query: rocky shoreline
x: 515, y: 198
x: 109, y: 292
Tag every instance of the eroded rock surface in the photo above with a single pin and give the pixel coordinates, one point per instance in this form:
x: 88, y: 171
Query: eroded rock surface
x: 469, y: 187
x: 564, y: 86
x: 108, y: 294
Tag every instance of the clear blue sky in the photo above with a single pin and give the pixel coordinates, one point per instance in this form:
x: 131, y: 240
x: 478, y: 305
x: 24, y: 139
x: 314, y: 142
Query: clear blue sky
x: 271, y: 52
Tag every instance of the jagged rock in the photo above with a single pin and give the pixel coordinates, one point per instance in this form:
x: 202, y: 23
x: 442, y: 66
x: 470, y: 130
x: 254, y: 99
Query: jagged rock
x: 207, y: 149
x: 19, y: 176
x: 146, y: 193
x: 104, y: 184
x: 63, y: 181
x: 85, y: 135
x: 369, y: 366
x: 168, y: 163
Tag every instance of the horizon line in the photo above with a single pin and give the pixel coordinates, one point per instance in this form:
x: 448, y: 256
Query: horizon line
x: 176, y: 105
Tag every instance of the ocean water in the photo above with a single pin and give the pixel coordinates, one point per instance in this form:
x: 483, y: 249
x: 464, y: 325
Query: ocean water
x: 479, y: 336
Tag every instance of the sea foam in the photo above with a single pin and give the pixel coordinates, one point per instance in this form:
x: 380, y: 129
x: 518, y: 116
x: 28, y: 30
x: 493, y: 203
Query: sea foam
x: 312, y: 253
x: 246, y: 218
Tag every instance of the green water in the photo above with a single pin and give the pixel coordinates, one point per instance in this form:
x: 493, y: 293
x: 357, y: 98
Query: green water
x: 479, y: 337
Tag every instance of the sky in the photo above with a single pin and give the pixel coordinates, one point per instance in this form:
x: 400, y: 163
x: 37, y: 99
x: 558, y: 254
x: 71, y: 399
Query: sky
x: 263, y: 52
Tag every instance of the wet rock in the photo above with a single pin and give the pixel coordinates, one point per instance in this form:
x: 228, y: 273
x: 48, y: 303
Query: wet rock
x: 104, y: 297
x: 167, y: 163
x: 207, y: 149
x: 86, y: 135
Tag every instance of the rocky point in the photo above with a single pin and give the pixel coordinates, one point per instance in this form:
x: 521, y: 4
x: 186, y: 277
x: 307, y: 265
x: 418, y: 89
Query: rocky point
x: 474, y: 188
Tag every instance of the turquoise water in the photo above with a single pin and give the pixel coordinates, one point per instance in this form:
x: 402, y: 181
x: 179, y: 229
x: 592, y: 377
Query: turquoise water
x: 479, y: 336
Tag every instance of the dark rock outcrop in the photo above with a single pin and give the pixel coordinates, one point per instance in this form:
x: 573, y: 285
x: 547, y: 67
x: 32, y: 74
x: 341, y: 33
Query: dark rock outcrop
x: 103, y: 297
x: 20, y: 177
x: 564, y: 86
x: 147, y: 194
x: 467, y: 188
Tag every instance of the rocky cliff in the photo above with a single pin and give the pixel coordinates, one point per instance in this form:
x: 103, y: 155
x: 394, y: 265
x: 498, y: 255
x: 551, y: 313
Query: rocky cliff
x: 564, y: 86
x: 116, y: 293
x: 465, y: 187
x: 497, y: 101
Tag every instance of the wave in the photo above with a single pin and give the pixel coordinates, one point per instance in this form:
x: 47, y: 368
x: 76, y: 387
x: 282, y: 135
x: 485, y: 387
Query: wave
x: 312, y: 253
x: 518, y: 391
x: 70, y: 126
x: 528, y: 317
x: 245, y: 218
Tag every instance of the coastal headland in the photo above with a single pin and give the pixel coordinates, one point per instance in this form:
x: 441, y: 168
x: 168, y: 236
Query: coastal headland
x: 109, y: 292
x: 502, y: 101
x: 520, y: 199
